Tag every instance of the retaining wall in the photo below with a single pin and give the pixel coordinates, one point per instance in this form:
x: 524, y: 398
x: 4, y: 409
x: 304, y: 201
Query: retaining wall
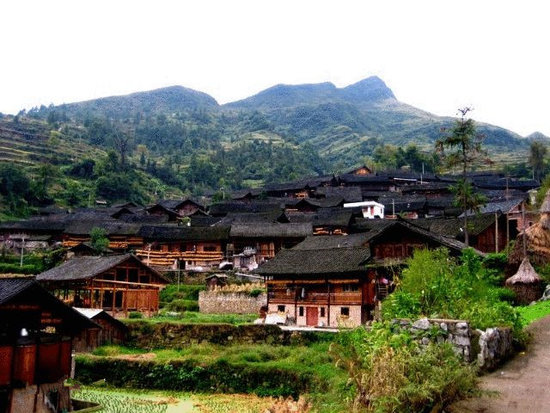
x: 213, y: 302
x: 490, y: 347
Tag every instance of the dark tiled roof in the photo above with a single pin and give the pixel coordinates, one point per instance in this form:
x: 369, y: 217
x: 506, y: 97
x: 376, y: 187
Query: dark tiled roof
x: 184, y: 233
x: 501, y: 206
x: 82, y: 268
x: 347, y: 193
x: 323, y: 242
x: 314, y: 262
x: 111, y: 227
x: 271, y: 230
x: 332, y: 217
x: 224, y: 208
x: 11, y: 287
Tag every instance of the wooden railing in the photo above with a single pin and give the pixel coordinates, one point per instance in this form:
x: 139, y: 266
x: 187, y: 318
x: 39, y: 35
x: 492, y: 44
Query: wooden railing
x: 167, y: 258
x: 278, y: 296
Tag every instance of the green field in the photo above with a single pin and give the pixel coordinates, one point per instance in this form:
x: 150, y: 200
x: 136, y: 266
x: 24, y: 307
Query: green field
x: 534, y: 312
x: 144, y: 401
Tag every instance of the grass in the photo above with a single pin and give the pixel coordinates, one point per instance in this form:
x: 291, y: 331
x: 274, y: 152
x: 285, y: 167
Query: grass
x: 144, y: 401
x: 534, y: 312
x: 313, y: 360
x: 194, y: 317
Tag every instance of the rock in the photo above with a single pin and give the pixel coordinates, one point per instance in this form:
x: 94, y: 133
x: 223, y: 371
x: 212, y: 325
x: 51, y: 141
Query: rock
x: 444, y: 326
x: 422, y: 324
x: 425, y: 341
x: 462, y: 326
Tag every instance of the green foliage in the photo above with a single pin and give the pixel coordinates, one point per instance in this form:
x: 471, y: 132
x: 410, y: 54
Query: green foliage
x: 111, y: 403
x: 135, y: 314
x: 185, y: 291
x: 98, y: 239
x: 391, y: 372
x: 181, y: 305
x: 534, y: 312
x: 438, y: 286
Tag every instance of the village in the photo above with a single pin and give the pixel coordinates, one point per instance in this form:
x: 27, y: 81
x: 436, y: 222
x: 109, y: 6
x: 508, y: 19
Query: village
x: 313, y: 256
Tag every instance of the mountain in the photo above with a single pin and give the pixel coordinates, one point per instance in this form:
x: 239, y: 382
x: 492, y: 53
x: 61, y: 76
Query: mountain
x: 177, y: 139
x: 537, y: 136
x: 165, y: 100
x: 369, y: 90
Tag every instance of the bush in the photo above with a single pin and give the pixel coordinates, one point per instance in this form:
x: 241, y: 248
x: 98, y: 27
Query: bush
x: 186, y: 375
x: 391, y: 372
x: 135, y: 314
x: 181, y: 305
x: 438, y: 286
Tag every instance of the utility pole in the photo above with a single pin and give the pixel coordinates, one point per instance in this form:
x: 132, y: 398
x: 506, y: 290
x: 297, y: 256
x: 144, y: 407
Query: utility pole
x: 22, y: 250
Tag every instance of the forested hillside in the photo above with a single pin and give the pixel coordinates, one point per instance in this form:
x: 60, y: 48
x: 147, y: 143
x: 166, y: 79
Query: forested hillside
x: 175, y: 141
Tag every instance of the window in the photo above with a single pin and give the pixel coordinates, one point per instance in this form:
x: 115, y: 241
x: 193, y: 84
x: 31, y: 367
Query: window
x: 281, y: 308
x: 348, y: 288
x: 301, y: 311
x: 322, y: 311
x: 344, y: 311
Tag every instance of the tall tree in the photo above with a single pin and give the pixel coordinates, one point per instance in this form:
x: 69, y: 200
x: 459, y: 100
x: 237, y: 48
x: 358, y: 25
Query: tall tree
x: 537, y: 152
x: 461, y: 147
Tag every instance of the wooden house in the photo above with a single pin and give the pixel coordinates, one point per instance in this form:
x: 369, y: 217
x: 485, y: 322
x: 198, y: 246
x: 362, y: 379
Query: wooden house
x: 361, y: 170
x: 109, y: 330
x: 320, y: 287
x: 122, y: 236
x: 187, y: 247
x: 176, y: 208
x: 116, y: 283
x: 267, y: 238
x: 36, y: 331
x: 337, y: 280
x: 487, y: 232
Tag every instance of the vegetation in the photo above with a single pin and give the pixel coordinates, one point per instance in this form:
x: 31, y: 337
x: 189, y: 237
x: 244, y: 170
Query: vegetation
x: 266, y: 370
x: 194, y: 317
x: 392, y: 372
x: 33, y: 263
x: 439, y: 286
x: 139, y: 401
x: 534, y: 312
x: 464, y: 149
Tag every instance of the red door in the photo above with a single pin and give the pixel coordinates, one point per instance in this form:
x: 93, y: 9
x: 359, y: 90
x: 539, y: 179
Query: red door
x: 312, y: 316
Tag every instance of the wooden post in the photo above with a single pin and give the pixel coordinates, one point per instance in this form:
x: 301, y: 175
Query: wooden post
x: 113, y: 309
x: 496, y: 231
x: 328, y: 309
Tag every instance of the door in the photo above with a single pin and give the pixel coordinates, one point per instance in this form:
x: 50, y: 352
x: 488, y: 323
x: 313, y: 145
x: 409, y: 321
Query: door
x: 312, y: 316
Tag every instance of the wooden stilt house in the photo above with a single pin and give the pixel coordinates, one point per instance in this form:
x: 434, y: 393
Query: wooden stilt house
x: 117, y: 284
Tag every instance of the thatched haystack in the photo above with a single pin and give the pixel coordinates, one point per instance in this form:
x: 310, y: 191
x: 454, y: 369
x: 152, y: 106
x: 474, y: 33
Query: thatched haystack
x: 526, y: 283
x: 537, y: 238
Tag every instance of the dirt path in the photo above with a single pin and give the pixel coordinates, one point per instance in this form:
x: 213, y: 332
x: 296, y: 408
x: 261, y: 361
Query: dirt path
x: 523, y: 384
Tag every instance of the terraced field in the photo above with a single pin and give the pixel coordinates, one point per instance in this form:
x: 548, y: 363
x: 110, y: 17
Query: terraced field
x: 31, y: 143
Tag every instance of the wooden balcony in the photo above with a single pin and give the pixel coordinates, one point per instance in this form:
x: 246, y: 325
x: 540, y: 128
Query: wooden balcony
x: 310, y: 297
x: 167, y: 258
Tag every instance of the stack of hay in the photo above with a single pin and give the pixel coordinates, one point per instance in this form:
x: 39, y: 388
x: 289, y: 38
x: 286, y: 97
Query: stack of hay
x: 526, y: 283
x: 537, y: 238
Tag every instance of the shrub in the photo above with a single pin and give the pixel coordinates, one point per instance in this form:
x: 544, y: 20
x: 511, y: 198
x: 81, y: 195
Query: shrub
x: 391, y: 372
x: 181, y: 305
x: 439, y: 286
x: 135, y: 314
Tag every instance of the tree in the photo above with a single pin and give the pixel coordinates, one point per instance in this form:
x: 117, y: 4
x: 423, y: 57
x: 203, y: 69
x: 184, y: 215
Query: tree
x: 99, y: 240
x: 464, y: 150
x: 537, y: 152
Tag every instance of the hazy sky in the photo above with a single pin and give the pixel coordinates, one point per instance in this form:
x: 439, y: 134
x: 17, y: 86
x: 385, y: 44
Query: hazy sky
x: 436, y: 55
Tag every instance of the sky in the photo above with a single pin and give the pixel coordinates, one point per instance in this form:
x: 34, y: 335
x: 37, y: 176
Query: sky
x: 435, y: 55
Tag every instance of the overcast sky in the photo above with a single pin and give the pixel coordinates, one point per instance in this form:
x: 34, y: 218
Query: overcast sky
x: 435, y: 55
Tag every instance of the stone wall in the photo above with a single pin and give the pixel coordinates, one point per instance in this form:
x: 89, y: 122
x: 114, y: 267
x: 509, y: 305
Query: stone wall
x: 495, y: 345
x: 143, y: 334
x: 490, y: 347
x: 213, y: 302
